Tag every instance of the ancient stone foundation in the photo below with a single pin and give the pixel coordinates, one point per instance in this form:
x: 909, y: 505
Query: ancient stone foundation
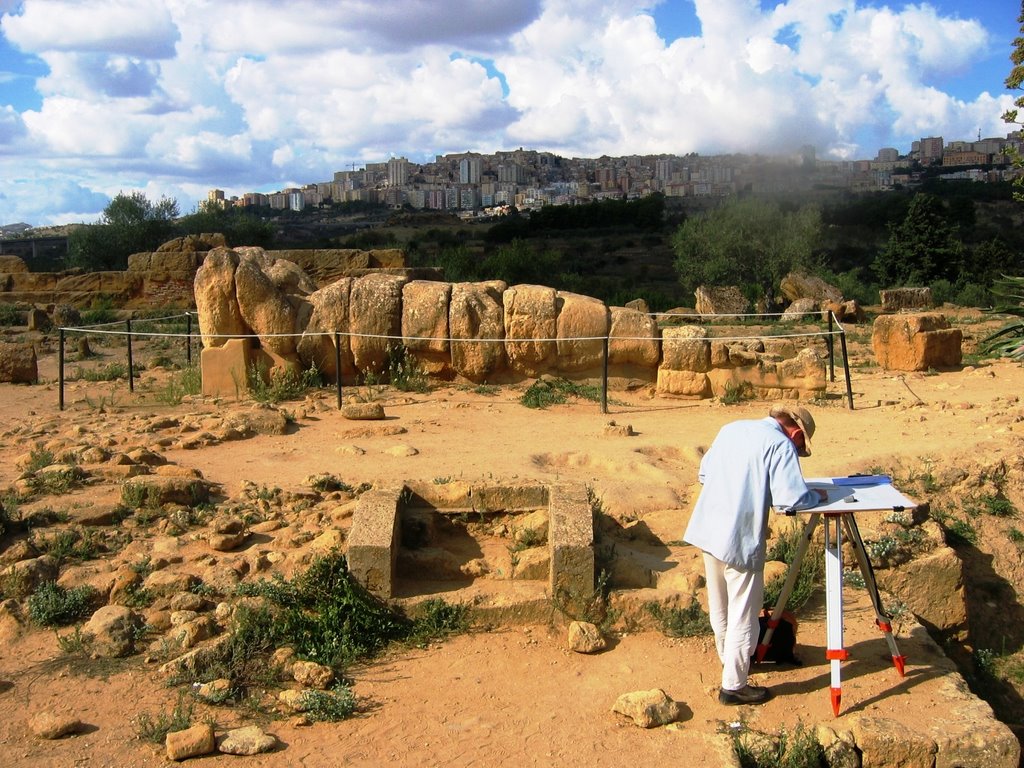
x: 916, y: 342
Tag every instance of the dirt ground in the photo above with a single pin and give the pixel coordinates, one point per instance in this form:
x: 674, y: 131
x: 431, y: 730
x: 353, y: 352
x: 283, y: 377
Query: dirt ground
x: 515, y: 694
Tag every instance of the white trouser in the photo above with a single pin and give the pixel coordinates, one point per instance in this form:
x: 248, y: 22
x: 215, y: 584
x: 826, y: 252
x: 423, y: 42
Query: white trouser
x: 734, y: 603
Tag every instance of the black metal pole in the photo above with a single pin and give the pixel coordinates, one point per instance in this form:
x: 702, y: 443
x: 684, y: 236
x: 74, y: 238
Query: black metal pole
x: 60, y: 371
x: 337, y: 364
x: 846, y: 369
x: 831, y: 350
x: 188, y: 339
x: 131, y: 366
x: 604, y: 378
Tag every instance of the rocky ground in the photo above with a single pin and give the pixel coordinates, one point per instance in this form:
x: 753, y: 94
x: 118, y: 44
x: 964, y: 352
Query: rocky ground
x: 164, y: 507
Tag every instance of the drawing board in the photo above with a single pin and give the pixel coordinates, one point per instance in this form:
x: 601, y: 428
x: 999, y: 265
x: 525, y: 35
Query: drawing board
x: 873, y: 493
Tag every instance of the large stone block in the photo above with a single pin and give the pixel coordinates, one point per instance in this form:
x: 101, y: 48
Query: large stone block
x: 530, y: 313
x: 373, y: 540
x: 721, y: 300
x: 375, y: 317
x: 425, y: 323
x: 899, y: 299
x: 18, y: 363
x: 582, y: 325
x: 683, y: 383
x: 571, y: 539
x: 225, y: 368
x: 330, y: 313
x: 214, y: 290
x: 476, y: 312
x: 686, y: 348
x: 263, y: 305
x: 916, y: 342
x: 932, y: 588
x: 635, y: 338
x: 797, y: 285
x: 11, y: 263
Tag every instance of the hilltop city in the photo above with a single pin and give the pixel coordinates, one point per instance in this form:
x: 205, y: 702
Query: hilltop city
x: 474, y: 184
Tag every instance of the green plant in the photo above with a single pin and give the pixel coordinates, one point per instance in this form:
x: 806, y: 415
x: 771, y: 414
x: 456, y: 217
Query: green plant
x: 10, y: 315
x: 155, y: 729
x: 327, y: 482
x: 798, y: 748
x: 74, y: 643
x: 486, y: 389
x: 437, y: 620
x: 39, y: 458
x: 404, y: 370
x: 267, y: 386
x: 71, y: 544
x: 139, y: 495
x: 51, y: 605
x: 332, y: 705
x: 582, y: 604
x: 961, y: 532
x: 808, y: 577
x: 737, y: 393
x: 550, y: 391
x: 188, y: 381
x: 56, y: 482
x: 100, y: 311
x: 691, y: 621
x: 1008, y: 341
x: 1016, y: 536
x: 109, y: 372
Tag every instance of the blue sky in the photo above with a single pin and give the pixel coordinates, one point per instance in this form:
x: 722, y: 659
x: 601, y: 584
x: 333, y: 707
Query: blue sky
x: 174, y: 97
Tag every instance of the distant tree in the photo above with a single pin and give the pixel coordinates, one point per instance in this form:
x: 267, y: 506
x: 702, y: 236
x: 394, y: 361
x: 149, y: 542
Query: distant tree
x: 752, y: 243
x: 129, y: 224
x: 922, y: 248
x: 1015, y: 81
x: 238, y: 225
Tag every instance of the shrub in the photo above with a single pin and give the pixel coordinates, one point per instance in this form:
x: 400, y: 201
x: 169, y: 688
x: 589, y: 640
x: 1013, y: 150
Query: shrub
x: 405, y: 372
x: 545, y: 392
x: 808, y: 578
x: 51, y: 605
x: 9, y: 315
x: 337, y: 703
x: 156, y: 729
x: 188, y: 381
x: 273, y: 387
x: 798, y: 748
x: 691, y: 621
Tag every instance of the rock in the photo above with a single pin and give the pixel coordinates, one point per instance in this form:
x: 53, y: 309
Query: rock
x: 476, y: 312
x: 112, y: 631
x: 582, y: 324
x: 215, y: 691
x: 157, y: 490
x: 899, y: 299
x: 309, y: 674
x: 797, y: 285
x: 883, y: 743
x: 640, y: 305
x: 649, y: 709
x: 330, y: 313
x: 66, y: 316
x: 12, y: 620
x: 375, y: 309
x: 50, y: 725
x: 225, y: 542
x: 585, y: 637
x: 401, y: 450
x: 916, y: 342
x: 263, y: 306
x: 635, y: 338
x: 29, y: 574
x: 191, y: 742
x: 18, y: 363
x: 800, y: 310
x: 721, y: 300
x: 251, y: 740
x: 38, y: 320
x: 425, y: 323
x: 258, y: 420
x: 530, y: 313
x: 216, y: 305
x: 293, y: 701
x: 618, y: 430
x: 11, y: 264
x: 363, y: 411
x: 840, y: 748
x: 686, y: 348
x: 844, y: 311
x: 932, y: 587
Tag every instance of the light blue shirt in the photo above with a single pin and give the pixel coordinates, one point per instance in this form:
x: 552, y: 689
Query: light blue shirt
x: 750, y: 467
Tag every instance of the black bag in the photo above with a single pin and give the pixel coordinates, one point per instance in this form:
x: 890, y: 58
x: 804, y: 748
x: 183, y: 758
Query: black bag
x: 783, y: 644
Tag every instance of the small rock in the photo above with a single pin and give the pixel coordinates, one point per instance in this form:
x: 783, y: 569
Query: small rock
x: 309, y: 674
x: 48, y: 725
x: 619, y: 430
x: 192, y: 742
x: 585, y: 637
x: 112, y: 629
x: 363, y: 411
x: 251, y: 740
x: 648, y: 708
x: 294, y: 701
x: 225, y: 542
x: 401, y: 450
x: 214, y: 691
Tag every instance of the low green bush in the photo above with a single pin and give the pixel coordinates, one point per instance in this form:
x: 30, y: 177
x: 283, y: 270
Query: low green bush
x: 51, y: 605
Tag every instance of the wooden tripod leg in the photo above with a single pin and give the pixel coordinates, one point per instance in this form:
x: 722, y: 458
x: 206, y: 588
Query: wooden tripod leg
x: 787, y: 587
x: 882, y: 619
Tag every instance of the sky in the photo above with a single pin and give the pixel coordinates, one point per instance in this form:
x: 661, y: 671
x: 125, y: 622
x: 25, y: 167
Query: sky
x: 175, y: 97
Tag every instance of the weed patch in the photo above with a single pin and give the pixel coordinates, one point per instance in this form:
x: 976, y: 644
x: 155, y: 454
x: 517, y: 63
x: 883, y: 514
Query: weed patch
x: 798, y: 748
x: 809, y: 577
x: 549, y: 391
x: 155, y: 729
x: 691, y: 621
x: 51, y: 605
x: 273, y: 387
x: 404, y: 371
x: 330, y: 706
x: 188, y: 381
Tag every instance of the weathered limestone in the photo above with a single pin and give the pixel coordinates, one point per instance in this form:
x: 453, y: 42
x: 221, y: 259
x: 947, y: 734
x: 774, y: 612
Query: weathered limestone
x: 721, y: 300
x: 635, y: 338
x: 571, y: 539
x: 932, y: 587
x: 649, y: 709
x: 797, y: 285
x: 916, y: 342
x: 263, y: 306
x: 112, y: 631
x: 686, y: 358
x: 476, y: 312
x: 330, y: 313
x: 899, y: 299
x: 425, y: 324
x: 373, y: 540
x: 530, y: 313
x: 216, y: 303
x: 582, y: 324
x: 801, y: 309
x: 18, y: 363
x: 191, y: 742
x: 375, y: 309
x: 225, y: 367
x: 10, y: 263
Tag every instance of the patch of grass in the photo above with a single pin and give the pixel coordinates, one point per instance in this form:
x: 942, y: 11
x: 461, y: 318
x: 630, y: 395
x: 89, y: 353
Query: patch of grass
x: 798, y: 748
x: 10, y: 315
x: 51, y: 605
x: 808, y: 579
x: 15, y: 584
x: 404, y: 370
x: 108, y: 372
x: 486, y: 389
x: 188, y: 381
x: 139, y: 496
x: 276, y: 386
x: 38, y: 458
x: 74, y: 643
x: 691, y: 621
x: 71, y: 544
x: 327, y: 482
x: 737, y: 393
x: 961, y: 532
x: 57, y: 482
x: 155, y: 729
x: 437, y: 620
x: 330, y: 706
x: 551, y: 391
x: 1016, y: 535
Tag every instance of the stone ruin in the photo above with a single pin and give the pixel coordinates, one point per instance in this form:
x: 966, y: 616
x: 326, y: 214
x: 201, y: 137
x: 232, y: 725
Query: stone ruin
x: 256, y: 309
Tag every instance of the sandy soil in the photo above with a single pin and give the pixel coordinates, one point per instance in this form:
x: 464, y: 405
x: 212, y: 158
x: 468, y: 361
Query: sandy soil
x: 516, y: 695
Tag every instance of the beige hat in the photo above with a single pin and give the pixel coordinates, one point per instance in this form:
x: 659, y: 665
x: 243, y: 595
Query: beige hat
x: 803, y: 419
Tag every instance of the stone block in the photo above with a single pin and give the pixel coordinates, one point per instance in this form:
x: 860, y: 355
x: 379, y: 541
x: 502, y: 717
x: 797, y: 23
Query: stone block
x: 635, y: 338
x: 582, y: 325
x: 476, y: 313
x: 571, y: 539
x: 721, y: 300
x: 530, y: 313
x: 18, y: 363
x: 373, y: 540
x: 900, y: 299
x: 683, y: 383
x: 916, y: 342
x: 685, y: 348
x: 225, y: 368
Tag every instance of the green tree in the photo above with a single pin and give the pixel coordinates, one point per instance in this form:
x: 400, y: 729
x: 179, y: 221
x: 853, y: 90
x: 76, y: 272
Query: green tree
x: 922, y: 248
x: 1015, y: 82
x: 239, y: 226
x: 752, y: 243
x: 129, y: 224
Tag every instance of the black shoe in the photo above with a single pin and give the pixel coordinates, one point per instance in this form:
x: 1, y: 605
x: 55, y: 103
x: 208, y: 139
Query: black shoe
x: 748, y: 694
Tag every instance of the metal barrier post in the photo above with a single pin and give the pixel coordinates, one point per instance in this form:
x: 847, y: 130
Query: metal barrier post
x: 831, y: 350
x: 131, y: 367
x: 188, y: 339
x: 60, y: 371
x: 337, y: 364
x: 846, y: 369
x: 604, y: 378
